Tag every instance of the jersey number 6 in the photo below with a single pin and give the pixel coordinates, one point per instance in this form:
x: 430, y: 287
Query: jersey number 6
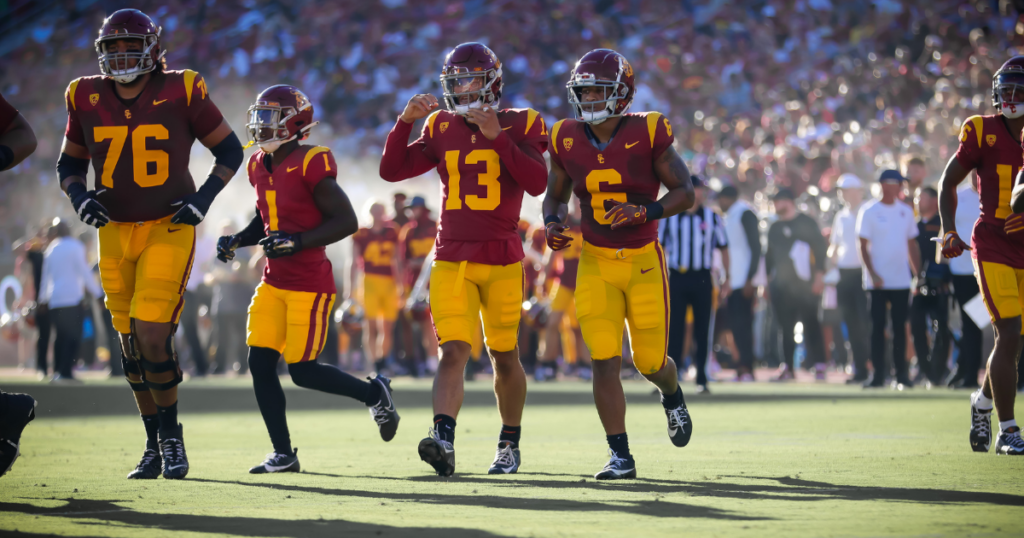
x: 141, y: 157
x: 597, y: 197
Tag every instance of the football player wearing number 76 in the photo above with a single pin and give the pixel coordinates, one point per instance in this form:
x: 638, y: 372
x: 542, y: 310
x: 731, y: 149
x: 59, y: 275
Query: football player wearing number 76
x: 137, y: 121
x: 486, y: 158
x: 615, y: 163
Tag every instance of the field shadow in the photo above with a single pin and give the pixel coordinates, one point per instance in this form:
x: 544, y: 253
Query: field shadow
x: 654, y: 508
x: 106, y: 512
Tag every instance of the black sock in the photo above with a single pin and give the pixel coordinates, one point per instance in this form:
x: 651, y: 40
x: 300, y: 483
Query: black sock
x: 445, y: 426
x: 270, y: 396
x: 3, y: 406
x: 152, y: 424
x: 620, y: 445
x: 316, y: 376
x: 373, y: 395
x: 672, y: 401
x: 168, y: 418
x: 510, y: 433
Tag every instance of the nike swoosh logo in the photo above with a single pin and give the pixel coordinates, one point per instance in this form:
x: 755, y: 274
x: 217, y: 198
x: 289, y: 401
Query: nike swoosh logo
x: 633, y: 144
x: 170, y: 231
x: 672, y: 432
x: 293, y: 168
x: 645, y: 271
x: 175, y: 467
x: 274, y: 468
x: 155, y: 102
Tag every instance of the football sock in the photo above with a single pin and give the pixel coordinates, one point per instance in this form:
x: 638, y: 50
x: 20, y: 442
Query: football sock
x: 620, y: 445
x: 316, y: 376
x: 168, y: 418
x: 445, y: 427
x: 152, y: 424
x: 510, y: 433
x: 270, y: 396
x: 3, y: 406
x: 980, y: 401
x: 674, y: 400
x: 1005, y: 425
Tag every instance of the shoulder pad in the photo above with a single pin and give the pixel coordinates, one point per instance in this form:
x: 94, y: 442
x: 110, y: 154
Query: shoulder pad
x: 312, y: 152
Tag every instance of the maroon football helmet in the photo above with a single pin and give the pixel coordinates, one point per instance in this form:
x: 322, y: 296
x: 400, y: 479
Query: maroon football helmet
x: 280, y: 114
x: 1008, y: 88
x: 465, y: 64
x: 129, y: 24
x: 607, y: 69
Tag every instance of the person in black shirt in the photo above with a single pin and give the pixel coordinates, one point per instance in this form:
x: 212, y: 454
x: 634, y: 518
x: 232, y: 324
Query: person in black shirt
x: 931, y: 299
x: 795, y: 262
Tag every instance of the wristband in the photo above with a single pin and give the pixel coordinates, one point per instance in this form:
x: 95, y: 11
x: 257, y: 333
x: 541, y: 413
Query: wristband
x: 551, y: 219
x: 654, y: 211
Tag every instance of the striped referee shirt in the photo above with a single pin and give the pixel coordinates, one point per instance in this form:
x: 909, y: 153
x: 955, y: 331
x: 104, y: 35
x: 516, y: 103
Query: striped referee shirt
x: 689, y: 239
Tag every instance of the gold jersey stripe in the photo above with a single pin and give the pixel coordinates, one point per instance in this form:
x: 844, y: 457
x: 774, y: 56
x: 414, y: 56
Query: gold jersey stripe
x: 652, y: 125
x: 71, y: 92
x: 309, y: 156
x: 554, y: 134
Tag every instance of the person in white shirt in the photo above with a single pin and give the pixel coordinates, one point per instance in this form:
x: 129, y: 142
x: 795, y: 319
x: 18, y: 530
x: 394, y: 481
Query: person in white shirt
x: 66, y: 277
x: 965, y: 288
x: 889, y: 252
x: 844, y: 253
x: 741, y: 228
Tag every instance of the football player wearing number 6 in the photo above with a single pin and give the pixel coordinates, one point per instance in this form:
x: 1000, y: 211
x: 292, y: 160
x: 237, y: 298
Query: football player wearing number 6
x: 615, y: 163
x: 486, y: 158
x: 137, y: 122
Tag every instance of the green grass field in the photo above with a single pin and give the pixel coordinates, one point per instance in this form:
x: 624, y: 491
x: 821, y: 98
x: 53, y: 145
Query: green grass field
x: 836, y: 463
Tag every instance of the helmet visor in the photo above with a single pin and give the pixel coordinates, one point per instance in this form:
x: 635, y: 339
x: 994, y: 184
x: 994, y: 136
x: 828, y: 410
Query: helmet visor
x: 267, y: 123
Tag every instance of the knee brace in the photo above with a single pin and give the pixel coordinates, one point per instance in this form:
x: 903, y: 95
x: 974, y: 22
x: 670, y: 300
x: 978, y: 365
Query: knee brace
x: 132, y: 367
x: 159, y: 367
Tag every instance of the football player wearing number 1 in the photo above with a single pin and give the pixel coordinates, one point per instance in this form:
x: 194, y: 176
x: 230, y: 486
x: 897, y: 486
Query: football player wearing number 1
x: 991, y: 146
x: 486, y: 159
x: 615, y: 163
x: 137, y: 122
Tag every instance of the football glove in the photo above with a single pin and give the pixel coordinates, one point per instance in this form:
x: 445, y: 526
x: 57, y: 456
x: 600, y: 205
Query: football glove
x: 88, y: 209
x: 952, y: 245
x: 226, y: 246
x: 194, y: 207
x: 279, y: 244
x: 1014, y: 224
x: 554, y: 237
x: 624, y: 214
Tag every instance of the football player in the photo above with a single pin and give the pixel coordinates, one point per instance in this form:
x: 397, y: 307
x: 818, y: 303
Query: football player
x: 17, y: 141
x: 375, y: 255
x: 137, y: 122
x: 300, y: 209
x: 486, y: 159
x: 416, y: 242
x: 615, y: 163
x: 991, y: 147
x: 566, y: 263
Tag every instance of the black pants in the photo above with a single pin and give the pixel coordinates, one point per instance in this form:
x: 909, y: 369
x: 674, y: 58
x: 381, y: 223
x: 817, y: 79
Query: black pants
x: 931, y: 311
x: 231, y: 341
x: 897, y: 302
x: 190, y: 325
x: 67, y: 324
x: 793, y: 304
x: 741, y: 322
x: 690, y: 289
x: 965, y: 287
x: 43, y: 321
x: 853, y: 304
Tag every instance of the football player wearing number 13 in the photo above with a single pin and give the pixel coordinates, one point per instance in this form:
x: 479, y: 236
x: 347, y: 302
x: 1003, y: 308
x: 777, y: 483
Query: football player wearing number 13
x: 486, y: 158
x: 137, y: 121
x: 616, y: 163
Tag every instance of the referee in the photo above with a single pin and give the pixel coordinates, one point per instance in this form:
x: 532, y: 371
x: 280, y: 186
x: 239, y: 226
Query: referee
x: 689, y: 240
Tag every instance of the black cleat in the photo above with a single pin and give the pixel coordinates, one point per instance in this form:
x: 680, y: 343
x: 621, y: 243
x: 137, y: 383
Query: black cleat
x: 981, y: 428
x: 278, y: 463
x: 384, y: 413
x: 148, y: 467
x: 506, y: 459
x: 173, y: 450
x: 440, y: 454
x: 21, y: 409
x: 1009, y: 443
x: 617, y: 468
x: 680, y: 426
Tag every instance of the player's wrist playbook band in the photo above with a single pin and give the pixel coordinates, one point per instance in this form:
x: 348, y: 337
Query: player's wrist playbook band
x: 6, y: 157
x: 68, y: 166
x: 654, y: 210
x: 552, y: 219
x: 252, y: 233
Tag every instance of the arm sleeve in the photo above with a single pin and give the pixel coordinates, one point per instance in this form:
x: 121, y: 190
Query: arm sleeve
x: 402, y: 160
x: 749, y: 221
x: 203, y: 115
x: 7, y: 114
x: 525, y: 160
x: 969, y: 152
x: 73, y: 131
x: 660, y: 131
x: 253, y: 232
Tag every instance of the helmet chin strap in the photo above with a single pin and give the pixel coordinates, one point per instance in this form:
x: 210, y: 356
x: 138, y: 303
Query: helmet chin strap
x: 462, y: 110
x: 271, y: 146
x: 1012, y: 111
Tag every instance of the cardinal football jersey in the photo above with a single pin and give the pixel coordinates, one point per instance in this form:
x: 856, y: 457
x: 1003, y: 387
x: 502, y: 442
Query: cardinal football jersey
x: 622, y: 172
x: 140, y: 153
x: 284, y: 197
x: 994, y: 153
x: 378, y: 248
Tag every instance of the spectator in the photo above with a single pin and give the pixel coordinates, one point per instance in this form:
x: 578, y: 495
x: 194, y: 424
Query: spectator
x: 205, y: 250
x: 965, y: 288
x: 744, y: 260
x: 931, y: 302
x: 889, y: 253
x: 232, y: 290
x: 66, y: 276
x: 850, y: 295
x: 795, y: 262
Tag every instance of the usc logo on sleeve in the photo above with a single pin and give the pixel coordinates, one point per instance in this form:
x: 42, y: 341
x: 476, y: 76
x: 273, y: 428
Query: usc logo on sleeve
x: 567, y: 142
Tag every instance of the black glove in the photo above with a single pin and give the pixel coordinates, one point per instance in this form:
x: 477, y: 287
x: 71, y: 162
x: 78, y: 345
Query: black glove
x: 195, y: 206
x: 88, y: 209
x: 279, y: 244
x: 226, y: 246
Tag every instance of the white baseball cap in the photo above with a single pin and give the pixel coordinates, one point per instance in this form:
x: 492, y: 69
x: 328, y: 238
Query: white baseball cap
x: 849, y: 181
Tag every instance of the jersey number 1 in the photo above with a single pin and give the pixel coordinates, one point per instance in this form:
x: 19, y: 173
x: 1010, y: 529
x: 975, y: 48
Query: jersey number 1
x: 141, y: 157
x: 488, y: 178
